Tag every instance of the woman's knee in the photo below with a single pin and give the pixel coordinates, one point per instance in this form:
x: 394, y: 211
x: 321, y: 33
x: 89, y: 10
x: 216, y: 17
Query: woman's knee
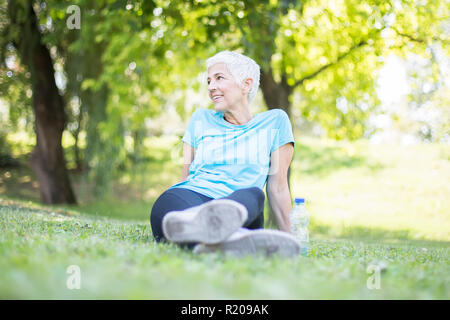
x: 259, y: 193
x: 175, y: 199
x: 159, y: 205
x: 256, y: 192
x: 159, y: 210
x: 253, y: 190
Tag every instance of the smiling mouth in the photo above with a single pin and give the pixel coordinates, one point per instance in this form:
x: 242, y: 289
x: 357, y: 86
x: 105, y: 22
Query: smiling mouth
x: 216, y: 98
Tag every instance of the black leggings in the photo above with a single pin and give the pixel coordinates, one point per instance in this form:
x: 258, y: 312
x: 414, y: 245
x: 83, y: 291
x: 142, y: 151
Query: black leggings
x: 177, y: 199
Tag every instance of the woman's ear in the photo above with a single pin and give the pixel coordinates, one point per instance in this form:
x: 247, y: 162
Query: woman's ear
x: 247, y: 84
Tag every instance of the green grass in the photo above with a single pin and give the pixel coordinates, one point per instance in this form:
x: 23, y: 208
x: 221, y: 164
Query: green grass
x: 396, y: 191
x: 120, y: 260
x: 369, y: 204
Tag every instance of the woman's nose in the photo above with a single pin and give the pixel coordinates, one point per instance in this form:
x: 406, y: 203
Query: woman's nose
x: 211, y: 86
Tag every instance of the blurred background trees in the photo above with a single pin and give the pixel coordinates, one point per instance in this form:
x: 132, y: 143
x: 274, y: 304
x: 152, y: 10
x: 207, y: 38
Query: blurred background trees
x: 136, y: 69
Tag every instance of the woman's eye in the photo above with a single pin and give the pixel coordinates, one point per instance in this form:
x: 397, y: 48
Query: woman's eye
x: 218, y: 77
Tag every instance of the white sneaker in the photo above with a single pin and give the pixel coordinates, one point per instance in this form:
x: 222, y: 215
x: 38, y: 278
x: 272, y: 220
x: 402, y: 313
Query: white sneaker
x: 211, y: 222
x: 252, y: 242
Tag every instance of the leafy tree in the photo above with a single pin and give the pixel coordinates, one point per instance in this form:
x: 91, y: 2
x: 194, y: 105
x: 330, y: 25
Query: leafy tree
x: 319, y: 58
x: 325, y: 53
x: 47, y: 158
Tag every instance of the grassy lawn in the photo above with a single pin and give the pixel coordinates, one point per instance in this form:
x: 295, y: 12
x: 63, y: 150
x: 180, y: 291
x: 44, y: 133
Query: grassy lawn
x: 370, y: 205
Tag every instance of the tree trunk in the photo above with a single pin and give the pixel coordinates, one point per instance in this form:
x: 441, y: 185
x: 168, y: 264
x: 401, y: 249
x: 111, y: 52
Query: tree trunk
x: 276, y: 95
x: 47, y: 159
x: 78, y: 159
x: 73, y: 64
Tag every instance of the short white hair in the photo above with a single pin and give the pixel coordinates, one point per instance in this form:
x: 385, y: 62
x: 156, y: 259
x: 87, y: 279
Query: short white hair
x: 241, y: 67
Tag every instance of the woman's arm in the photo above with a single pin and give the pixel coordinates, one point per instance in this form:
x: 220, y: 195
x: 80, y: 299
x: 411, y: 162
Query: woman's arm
x: 277, y: 185
x: 188, y: 157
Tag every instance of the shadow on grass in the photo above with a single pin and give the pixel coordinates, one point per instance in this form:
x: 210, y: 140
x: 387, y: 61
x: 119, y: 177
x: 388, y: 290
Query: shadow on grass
x: 137, y: 186
x: 372, y: 234
x: 322, y: 160
x: 361, y: 233
x: 19, y: 182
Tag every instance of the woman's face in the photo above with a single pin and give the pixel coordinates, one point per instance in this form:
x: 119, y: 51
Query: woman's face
x: 223, y: 89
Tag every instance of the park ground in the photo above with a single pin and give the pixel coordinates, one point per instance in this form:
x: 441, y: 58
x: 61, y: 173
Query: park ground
x: 380, y: 229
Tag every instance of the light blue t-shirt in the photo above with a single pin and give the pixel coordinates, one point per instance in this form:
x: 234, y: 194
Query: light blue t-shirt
x: 231, y: 157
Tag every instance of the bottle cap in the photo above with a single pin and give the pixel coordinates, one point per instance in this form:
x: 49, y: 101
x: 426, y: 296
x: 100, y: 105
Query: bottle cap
x: 299, y: 200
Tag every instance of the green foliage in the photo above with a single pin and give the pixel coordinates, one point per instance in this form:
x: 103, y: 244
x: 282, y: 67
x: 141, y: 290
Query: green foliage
x: 133, y: 60
x: 15, y: 85
x: 127, y: 64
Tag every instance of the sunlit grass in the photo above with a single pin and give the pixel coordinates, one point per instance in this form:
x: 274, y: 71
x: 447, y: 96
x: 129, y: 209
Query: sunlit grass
x: 120, y: 260
x: 398, y: 191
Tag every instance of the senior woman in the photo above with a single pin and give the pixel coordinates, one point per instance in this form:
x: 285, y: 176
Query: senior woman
x: 229, y: 156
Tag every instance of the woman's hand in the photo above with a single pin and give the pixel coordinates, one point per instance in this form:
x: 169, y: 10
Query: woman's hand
x: 277, y: 185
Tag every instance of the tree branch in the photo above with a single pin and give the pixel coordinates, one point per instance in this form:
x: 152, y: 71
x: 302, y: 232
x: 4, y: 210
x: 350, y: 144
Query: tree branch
x: 323, y: 68
x: 410, y: 37
x: 419, y: 40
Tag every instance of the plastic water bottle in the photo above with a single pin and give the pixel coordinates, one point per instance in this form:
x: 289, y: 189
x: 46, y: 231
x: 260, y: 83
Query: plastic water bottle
x: 299, y: 219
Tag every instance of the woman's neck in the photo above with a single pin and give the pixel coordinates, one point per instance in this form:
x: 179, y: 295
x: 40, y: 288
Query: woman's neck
x: 238, y: 117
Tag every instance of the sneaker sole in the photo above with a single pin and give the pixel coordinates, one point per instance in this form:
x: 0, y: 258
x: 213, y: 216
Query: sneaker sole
x: 215, y: 221
x: 265, y: 242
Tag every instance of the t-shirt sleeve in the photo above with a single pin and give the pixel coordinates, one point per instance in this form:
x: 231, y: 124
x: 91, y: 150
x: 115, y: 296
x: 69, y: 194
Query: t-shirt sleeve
x: 189, y: 135
x: 283, y: 131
